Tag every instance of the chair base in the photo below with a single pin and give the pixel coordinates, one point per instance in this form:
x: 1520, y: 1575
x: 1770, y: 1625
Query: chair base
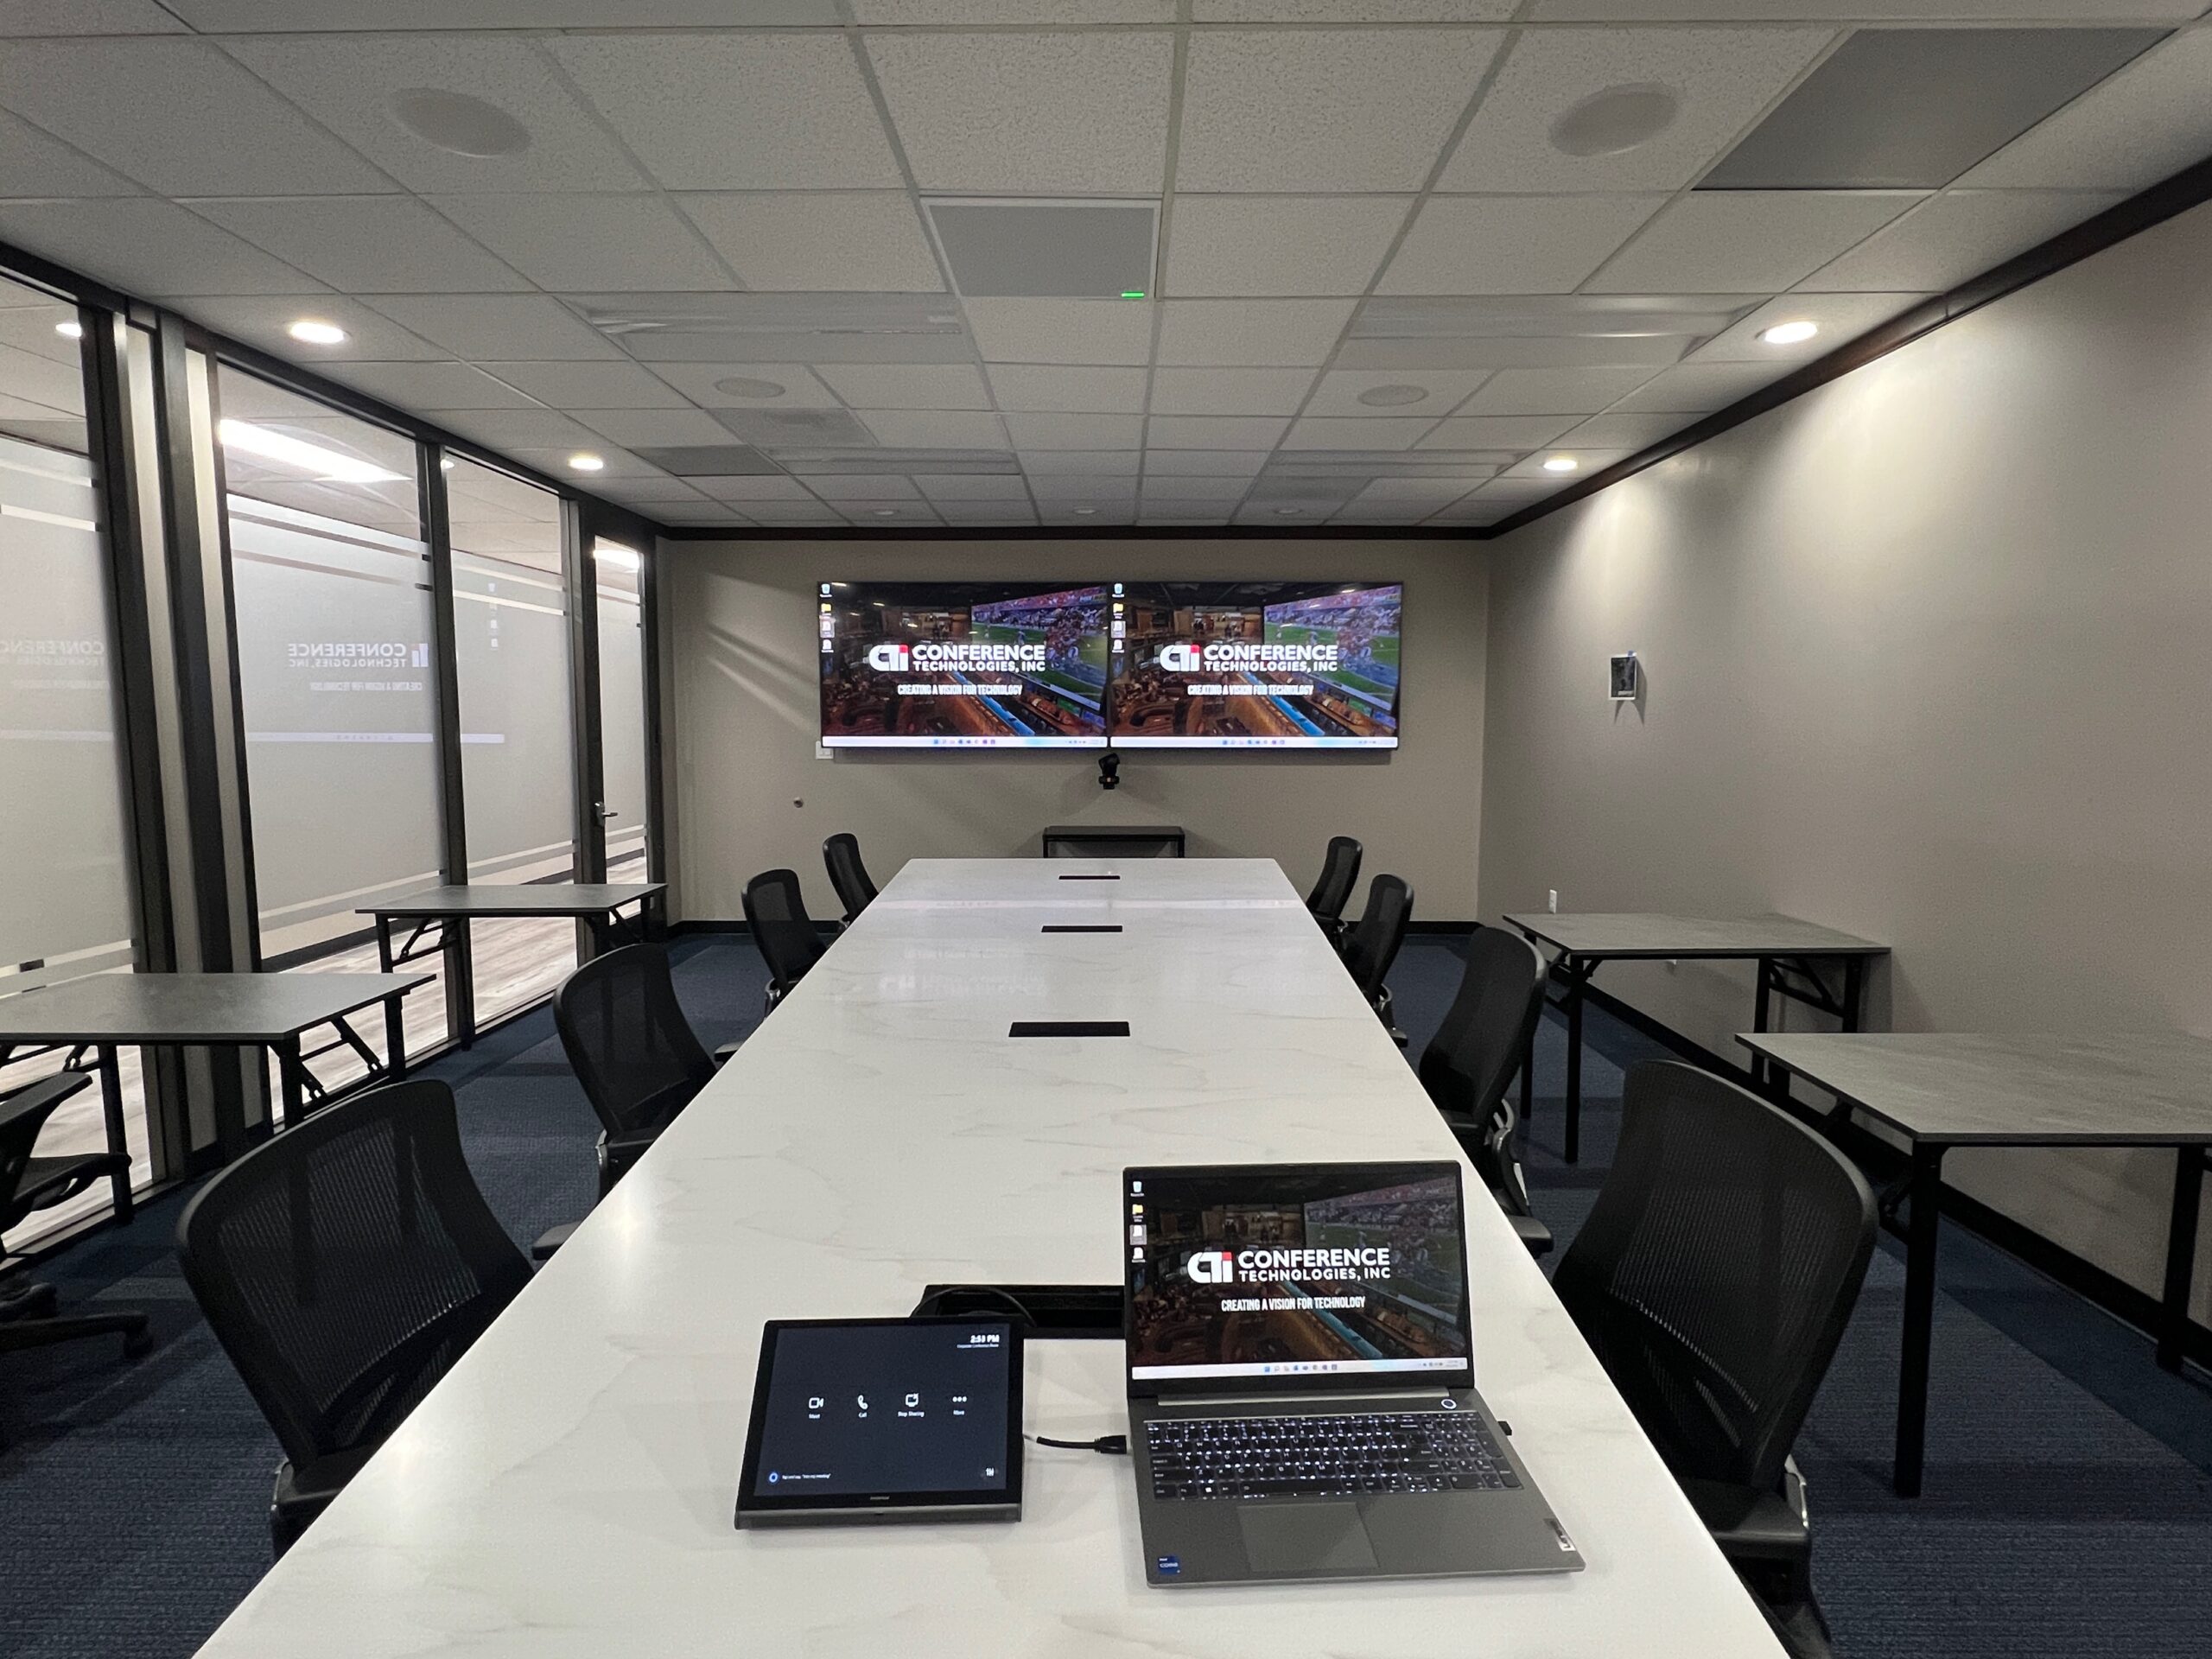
x: 28, y: 1320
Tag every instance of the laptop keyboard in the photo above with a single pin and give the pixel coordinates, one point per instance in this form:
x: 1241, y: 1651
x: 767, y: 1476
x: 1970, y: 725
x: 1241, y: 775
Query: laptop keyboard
x: 1324, y: 1456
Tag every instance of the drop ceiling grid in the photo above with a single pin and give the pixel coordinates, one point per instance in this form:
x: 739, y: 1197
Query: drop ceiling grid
x: 324, y: 161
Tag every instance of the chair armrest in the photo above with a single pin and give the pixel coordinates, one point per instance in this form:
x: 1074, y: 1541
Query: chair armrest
x: 42, y: 1095
x: 1532, y: 1233
x: 723, y: 1054
x: 1751, y: 1525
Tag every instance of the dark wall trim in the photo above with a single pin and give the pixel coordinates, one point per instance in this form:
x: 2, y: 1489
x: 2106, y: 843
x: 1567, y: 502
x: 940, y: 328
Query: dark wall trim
x: 1884, y: 1163
x: 2190, y: 187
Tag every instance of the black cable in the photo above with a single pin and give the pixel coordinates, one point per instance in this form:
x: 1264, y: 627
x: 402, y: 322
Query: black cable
x: 1114, y: 1446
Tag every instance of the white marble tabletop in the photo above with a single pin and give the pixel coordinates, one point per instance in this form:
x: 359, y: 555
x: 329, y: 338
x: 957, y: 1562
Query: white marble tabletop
x: 568, y: 1490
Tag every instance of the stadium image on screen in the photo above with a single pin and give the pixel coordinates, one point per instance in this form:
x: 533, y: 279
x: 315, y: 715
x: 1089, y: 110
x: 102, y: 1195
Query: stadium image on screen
x: 1216, y: 1290
x: 1256, y: 664
x: 962, y: 665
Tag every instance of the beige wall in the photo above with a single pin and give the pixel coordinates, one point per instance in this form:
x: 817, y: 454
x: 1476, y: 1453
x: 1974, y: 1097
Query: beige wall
x: 742, y: 718
x: 1927, y: 654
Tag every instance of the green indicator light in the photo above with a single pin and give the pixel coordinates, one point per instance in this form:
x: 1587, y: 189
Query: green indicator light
x: 1133, y: 293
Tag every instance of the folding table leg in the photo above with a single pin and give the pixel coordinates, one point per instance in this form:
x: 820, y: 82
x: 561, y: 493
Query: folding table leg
x: 1919, y: 1316
x: 117, y: 1140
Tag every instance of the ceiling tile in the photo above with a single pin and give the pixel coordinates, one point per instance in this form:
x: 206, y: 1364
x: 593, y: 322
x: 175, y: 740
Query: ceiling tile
x: 1055, y: 389
x: 1512, y: 245
x: 119, y: 101
x: 1352, y: 11
x: 1697, y: 388
x: 1038, y: 112
x: 864, y: 486
x: 589, y: 385
x: 1257, y: 333
x: 652, y: 428
x: 1160, y: 488
x: 553, y: 461
x: 1280, y: 246
x: 584, y: 243
x: 970, y: 486
x: 792, y: 515
x: 865, y: 240
x: 1342, y: 391
x: 1097, y: 463
x: 1324, y: 109
x: 150, y: 248
x: 364, y: 244
x: 1014, y: 12
x: 1496, y: 431
x: 21, y: 19
x: 1333, y: 433
x: 301, y: 16
x: 261, y: 320
x: 746, y: 385
x: 935, y: 429
x: 1202, y: 463
x: 907, y: 385
x: 1719, y: 80
x: 750, y: 488
x: 1629, y: 432
x: 1747, y: 241
x: 520, y: 431
x: 1076, y: 431
x: 1554, y: 391
x: 500, y: 328
x: 1061, y: 331
x: 355, y: 85
x: 32, y: 163
x: 1958, y: 235
x: 2150, y: 120
x: 737, y: 110
x: 650, y: 491
x: 1903, y: 11
x: 1214, y: 432
x: 1073, y: 487
x: 872, y: 515
x: 1841, y: 317
x: 1230, y: 391
x: 426, y: 386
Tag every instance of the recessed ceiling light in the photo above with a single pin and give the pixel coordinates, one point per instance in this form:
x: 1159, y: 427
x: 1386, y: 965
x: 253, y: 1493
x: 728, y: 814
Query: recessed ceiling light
x: 743, y: 385
x: 314, y: 331
x: 1289, y: 512
x: 1790, y: 334
x: 887, y: 512
x: 1392, y: 396
x: 1561, y: 464
x: 1084, y: 512
x: 1615, y: 120
x: 586, y: 462
x: 327, y: 465
x: 456, y: 123
x: 72, y: 330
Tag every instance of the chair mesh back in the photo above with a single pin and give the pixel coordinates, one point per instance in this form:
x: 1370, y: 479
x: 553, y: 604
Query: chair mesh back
x: 1485, y: 1032
x: 346, y: 1264
x: 1372, y: 944
x: 781, y: 927
x: 1716, y: 1271
x: 841, y: 853
x: 627, y: 1039
x: 1340, y: 873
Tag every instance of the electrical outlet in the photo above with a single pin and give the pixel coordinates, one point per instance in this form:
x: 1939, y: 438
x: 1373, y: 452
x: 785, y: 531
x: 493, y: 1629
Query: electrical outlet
x: 1551, y: 901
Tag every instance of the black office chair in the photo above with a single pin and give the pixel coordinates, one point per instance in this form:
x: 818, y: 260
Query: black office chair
x: 789, y: 942
x: 1714, y: 1279
x: 1483, y: 1041
x: 1370, y: 944
x: 345, y: 1266
x: 634, y: 1053
x: 27, y: 1315
x: 841, y: 853
x: 1339, y: 875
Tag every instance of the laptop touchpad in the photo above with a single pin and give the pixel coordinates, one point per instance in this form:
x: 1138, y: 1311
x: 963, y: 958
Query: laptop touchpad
x: 1304, y: 1538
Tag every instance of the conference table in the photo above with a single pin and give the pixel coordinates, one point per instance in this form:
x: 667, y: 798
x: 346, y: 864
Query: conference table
x: 568, y: 1489
x: 1942, y: 1090
x: 1791, y: 957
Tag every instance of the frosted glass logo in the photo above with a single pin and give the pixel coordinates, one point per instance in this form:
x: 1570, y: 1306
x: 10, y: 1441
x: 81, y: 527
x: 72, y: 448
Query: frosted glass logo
x: 351, y: 654
x: 1221, y: 1268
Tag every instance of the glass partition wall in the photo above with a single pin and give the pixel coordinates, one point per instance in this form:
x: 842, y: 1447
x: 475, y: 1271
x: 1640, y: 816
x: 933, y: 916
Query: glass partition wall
x: 623, y: 805
x: 65, y: 889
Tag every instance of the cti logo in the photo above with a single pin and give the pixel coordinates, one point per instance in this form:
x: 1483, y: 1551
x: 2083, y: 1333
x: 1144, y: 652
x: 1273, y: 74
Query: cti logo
x: 889, y: 658
x: 1181, y: 659
x: 1211, y: 1268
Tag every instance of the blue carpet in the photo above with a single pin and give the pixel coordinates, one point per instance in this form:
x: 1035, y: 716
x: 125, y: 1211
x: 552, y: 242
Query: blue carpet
x: 2069, y: 1506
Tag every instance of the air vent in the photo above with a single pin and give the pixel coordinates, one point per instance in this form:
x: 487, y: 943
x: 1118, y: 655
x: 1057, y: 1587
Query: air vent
x: 709, y: 461
x: 781, y: 328
x: 1047, y: 250
x: 828, y: 427
x: 1911, y: 109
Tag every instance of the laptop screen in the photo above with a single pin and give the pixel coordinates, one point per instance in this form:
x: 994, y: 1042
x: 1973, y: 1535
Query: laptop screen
x: 1295, y: 1273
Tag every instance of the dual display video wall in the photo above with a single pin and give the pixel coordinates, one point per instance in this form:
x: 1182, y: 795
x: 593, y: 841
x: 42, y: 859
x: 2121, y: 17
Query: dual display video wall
x: 1140, y: 664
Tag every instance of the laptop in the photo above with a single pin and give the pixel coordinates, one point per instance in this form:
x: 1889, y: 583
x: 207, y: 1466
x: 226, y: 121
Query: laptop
x: 1301, y: 1381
